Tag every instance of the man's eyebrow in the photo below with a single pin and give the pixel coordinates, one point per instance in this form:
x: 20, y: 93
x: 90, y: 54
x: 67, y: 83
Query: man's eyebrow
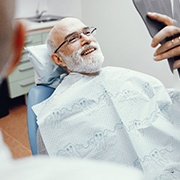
x: 69, y: 35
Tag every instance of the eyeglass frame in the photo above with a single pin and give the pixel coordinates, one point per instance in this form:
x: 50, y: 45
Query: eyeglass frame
x: 92, y: 29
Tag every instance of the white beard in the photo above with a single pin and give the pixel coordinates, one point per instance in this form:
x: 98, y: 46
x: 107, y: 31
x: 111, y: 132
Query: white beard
x: 93, y: 63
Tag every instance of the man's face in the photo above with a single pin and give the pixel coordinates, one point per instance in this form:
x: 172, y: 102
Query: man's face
x: 89, y: 63
x: 83, y: 55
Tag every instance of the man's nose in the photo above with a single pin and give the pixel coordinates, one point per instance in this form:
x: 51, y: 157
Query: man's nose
x: 85, y: 39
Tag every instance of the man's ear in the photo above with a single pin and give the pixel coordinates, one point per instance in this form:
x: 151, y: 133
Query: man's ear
x: 57, y: 59
x: 18, y: 44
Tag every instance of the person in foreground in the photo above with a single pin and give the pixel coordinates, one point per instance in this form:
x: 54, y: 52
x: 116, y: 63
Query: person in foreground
x: 42, y: 168
x: 108, y: 114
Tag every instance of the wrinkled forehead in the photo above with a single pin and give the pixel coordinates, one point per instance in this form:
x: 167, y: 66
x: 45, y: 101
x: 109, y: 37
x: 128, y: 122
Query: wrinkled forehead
x: 65, y: 27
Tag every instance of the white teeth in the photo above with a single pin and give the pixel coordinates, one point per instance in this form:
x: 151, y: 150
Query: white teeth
x: 89, y: 51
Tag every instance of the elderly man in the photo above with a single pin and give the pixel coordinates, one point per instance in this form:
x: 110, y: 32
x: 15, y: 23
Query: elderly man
x: 12, y: 36
x: 79, y: 50
x: 42, y: 168
x: 109, y: 114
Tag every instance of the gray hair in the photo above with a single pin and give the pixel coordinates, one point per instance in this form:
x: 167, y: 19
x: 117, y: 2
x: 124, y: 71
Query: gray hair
x: 50, y: 44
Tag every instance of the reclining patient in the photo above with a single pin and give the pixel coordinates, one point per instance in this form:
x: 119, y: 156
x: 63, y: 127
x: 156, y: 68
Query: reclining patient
x: 109, y: 114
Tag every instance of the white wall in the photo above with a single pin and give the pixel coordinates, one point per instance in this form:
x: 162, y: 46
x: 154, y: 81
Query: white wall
x: 124, y: 38
x: 27, y: 8
x: 65, y: 7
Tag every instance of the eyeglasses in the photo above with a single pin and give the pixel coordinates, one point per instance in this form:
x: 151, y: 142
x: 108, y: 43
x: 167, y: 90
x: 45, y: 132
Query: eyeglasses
x: 76, y: 36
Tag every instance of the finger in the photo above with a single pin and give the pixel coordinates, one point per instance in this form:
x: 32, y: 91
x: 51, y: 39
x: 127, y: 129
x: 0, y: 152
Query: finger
x: 161, y: 18
x: 169, y: 54
x: 167, y: 46
x: 176, y: 64
x: 168, y: 31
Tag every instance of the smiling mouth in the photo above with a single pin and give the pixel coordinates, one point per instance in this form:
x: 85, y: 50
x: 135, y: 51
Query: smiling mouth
x: 88, y: 51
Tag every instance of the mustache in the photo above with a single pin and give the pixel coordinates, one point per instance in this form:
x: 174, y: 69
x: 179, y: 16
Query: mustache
x: 88, y: 46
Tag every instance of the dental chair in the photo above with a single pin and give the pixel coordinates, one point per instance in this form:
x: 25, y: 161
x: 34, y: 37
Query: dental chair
x: 36, y: 95
x: 47, y: 77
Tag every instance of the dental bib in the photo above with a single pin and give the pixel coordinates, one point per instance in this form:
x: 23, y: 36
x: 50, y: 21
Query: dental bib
x: 120, y: 116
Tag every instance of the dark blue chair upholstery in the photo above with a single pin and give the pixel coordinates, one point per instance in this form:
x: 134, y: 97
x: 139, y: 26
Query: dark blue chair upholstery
x: 36, y: 95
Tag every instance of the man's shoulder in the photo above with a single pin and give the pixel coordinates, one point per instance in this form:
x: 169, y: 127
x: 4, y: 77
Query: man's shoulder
x: 120, y: 71
x: 112, y: 69
x: 127, y: 74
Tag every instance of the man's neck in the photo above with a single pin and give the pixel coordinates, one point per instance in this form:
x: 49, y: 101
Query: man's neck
x: 90, y: 74
x: 84, y: 73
